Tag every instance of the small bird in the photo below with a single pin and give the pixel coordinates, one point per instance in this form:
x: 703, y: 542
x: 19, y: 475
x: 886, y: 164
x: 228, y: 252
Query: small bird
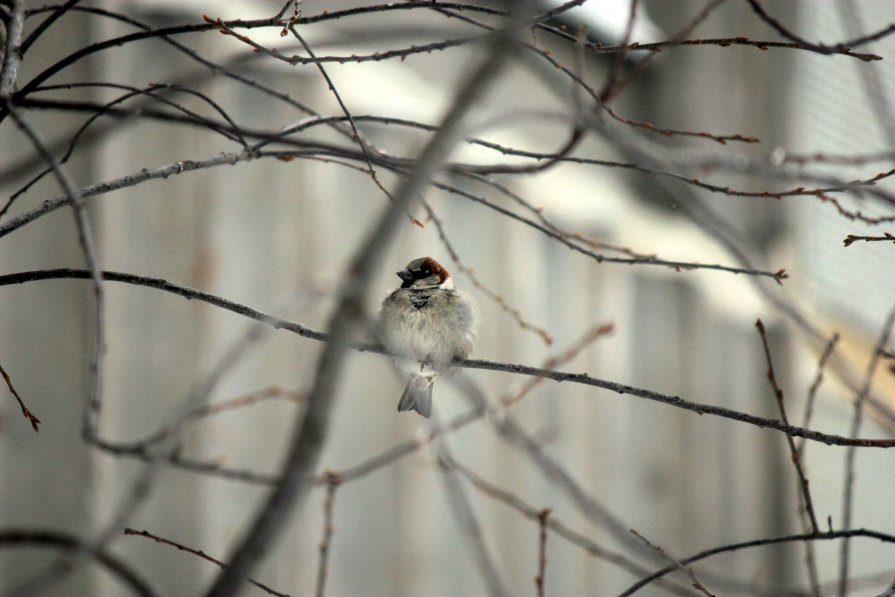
x: 429, y: 321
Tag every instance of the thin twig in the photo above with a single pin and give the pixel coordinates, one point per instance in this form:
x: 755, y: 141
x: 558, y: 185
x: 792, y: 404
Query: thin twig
x: 679, y: 266
x: 88, y: 249
x: 642, y: 65
x: 332, y: 483
x: 665, y: 556
x: 815, y: 386
x: 857, y: 416
x: 828, y: 536
x: 197, y: 552
x: 206, y: 410
x: 609, y: 90
x: 550, y: 467
x: 810, y: 559
x: 793, y: 450
x: 598, y: 331
x: 362, y: 143
x: 467, y: 520
x: 839, y: 48
x: 35, y: 422
x: 573, y: 535
x: 851, y: 238
x: 543, y: 517
x: 513, y: 312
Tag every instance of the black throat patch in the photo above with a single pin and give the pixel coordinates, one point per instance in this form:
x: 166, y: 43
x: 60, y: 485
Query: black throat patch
x: 421, y: 297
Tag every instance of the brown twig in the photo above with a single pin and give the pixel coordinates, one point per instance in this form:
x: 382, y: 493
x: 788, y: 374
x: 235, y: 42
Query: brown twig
x: 197, y: 552
x: 295, y: 59
x: 498, y: 298
x: 609, y: 90
x: 567, y: 355
x: 293, y: 18
x: 35, y: 422
x: 678, y: 266
x: 332, y: 483
x: 210, y: 409
x: 857, y: 417
x: 851, y: 238
x: 839, y: 48
x: 828, y: 536
x: 815, y: 385
x: 642, y: 65
x: 810, y: 559
x: 793, y: 451
x: 664, y: 554
x: 543, y: 517
x: 362, y: 143
x: 557, y: 526
x: 668, y: 132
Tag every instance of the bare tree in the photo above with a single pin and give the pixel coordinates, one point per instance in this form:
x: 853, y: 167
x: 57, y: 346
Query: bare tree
x: 689, y: 201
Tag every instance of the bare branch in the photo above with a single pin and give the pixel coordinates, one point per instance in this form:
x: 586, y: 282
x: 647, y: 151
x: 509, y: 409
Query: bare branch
x: 851, y: 238
x: 197, y: 552
x: 73, y: 545
x: 310, y: 433
x: 513, y: 312
x: 810, y: 560
x: 35, y: 422
x: 467, y: 521
x: 85, y: 239
x: 850, y: 454
x: 840, y: 48
x: 665, y: 556
x: 12, y: 57
x: 793, y: 451
x: 831, y: 535
x: 543, y: 517
x: 560, y: 376
x: 332, y: 483
x: 560, y: 528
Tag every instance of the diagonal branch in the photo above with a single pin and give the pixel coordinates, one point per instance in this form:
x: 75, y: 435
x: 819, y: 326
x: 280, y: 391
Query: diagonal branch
x: 35, y: 422
x: 307, y: 441
x: 793, y: 450
x: 857, y: 416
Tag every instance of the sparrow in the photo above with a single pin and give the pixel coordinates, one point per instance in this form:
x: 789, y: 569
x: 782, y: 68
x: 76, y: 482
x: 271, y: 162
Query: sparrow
x: 426, y: 320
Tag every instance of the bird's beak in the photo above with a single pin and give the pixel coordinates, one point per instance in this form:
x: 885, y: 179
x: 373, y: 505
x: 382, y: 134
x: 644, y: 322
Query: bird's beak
x: 406, y: 278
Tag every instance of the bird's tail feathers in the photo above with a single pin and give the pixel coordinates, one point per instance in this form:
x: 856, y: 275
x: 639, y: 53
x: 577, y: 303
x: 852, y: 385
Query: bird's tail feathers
x: 417, y: 395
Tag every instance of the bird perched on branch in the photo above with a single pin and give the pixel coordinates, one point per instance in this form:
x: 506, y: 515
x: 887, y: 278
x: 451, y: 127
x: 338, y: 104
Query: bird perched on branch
x: 428, y: 321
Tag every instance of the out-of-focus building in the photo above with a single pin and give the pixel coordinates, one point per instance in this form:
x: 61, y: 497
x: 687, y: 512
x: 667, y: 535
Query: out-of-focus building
x: 276, y: 235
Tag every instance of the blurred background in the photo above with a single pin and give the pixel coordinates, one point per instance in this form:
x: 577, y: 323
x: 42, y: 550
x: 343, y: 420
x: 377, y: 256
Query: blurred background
x: 277, y: 236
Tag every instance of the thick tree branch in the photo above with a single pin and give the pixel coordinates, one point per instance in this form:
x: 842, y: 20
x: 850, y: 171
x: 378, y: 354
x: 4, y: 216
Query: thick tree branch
x: 311, y: 431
